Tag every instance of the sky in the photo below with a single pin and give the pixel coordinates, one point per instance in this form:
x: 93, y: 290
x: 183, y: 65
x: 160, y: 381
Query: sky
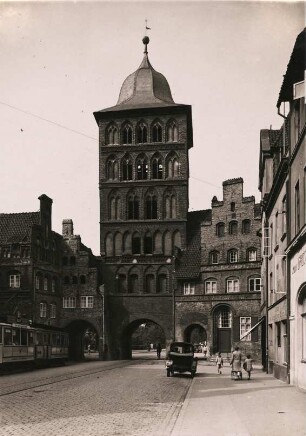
x: 61, y: 61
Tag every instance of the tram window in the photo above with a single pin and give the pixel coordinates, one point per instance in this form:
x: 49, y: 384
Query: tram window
x: 16, y: 336
x: 7, y: 336
x: 30, y: 338
x: 39, y: 338
x: 23, y: 337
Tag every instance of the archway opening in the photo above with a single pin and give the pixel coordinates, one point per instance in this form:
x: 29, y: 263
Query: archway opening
x: 195, y: 334
x: 141, y: 338
x: 83, y: 341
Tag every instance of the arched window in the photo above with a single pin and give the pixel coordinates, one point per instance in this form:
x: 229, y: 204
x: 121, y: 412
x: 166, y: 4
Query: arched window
x: 172, y: 133
x: 133, y: 283
x: 127, y: 134
x: 157, y: 132
x: 82, y: 279
x: 46, y: 283
x: 112, y: 169
x: 65, y: 261
x: 151, y: 207
x: 66, y: 280
x: 232, y: 285
x: 173, y: 167
x: 246, y: 226
x: 149, y: 283
x: 127, y: 168
x: 72, y: 260
x: 167, y: 244
x: 54, y: 284
x: 38, y: 281
x: 170, y: 205
x: 157, y: 168
x: 233, y: 228
x: 148, y: 243
x: 232, y: 256
x: 252, y: 255
x: 136, y: 243
x: 141, y: 133
x: 133, y: 207
x: 111, y: 135
x: 158, y: 244
x: 220, y: 229
x: 109, y: 248
x: 214, y: 257
x: 176, y: 240
x: 74, y: 280
x: 233, y: 206
x: 127, y: 243
x: 142, y: 168
x: 118, y: 244
x: 115, y: 207
x: 211, y: 286
x: 161, y: 283
x: 122, y: 282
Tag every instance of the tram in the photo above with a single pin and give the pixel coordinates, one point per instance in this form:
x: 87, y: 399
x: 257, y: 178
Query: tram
x: 23, y: 343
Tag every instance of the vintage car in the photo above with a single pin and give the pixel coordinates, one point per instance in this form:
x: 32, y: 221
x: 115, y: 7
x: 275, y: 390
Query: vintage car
x: 181, y: 359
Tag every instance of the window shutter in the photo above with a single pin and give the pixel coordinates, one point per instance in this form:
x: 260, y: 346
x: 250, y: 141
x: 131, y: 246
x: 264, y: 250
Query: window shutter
x: 254, y: 333
x: 236, y: 328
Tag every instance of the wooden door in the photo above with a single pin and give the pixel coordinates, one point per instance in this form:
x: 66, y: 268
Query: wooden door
x: 224, y: 340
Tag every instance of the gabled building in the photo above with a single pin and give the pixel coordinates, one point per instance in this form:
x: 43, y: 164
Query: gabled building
x: 219, y: 283
x: 282, y: 178
x: 48, y: 279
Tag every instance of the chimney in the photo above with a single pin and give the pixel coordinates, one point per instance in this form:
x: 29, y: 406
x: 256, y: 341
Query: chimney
x: 67, y: 228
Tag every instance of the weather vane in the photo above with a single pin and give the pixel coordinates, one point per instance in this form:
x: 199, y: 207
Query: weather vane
x: 147, y: 28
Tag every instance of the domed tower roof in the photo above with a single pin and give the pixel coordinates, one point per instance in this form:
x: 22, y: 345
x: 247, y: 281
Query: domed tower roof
x: 145, y: 86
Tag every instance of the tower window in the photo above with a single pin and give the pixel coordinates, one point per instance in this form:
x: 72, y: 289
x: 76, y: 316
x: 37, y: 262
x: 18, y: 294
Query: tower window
x: 133, y: 208
x: 233, y: 256
x: 157, y: 168
x: 136, y: 244
x: 112, y: 135
x: 127, y: 169
x: 233, y: 228
x: 151, y: 207
x: 127, y: 134
x: 172, y: 134
x: 220, y: 228
x: 214, y: 258
x: 246, y: 226
x: 148, y: 244
x: 233, y: 206
x: 157, y: 133
x: 142, y: 133
x: 142, y: 169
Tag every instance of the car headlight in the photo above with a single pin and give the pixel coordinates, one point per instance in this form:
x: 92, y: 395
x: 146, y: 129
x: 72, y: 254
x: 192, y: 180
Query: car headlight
x: 169, y: 363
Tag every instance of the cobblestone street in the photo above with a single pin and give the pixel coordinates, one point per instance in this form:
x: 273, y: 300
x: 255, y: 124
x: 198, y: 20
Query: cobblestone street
x: 95, y: 398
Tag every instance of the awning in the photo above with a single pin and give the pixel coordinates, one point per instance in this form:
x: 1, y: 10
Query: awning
x: 253, y: 328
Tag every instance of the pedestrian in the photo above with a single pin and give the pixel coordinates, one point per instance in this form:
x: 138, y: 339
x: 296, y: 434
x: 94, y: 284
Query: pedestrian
x: 88, y: 349
x: 158, y: 350
x: 236, y: 363
x: 247, y: 365
x: 149, y: 348
x: 219, y: 363
x: 205, y: 350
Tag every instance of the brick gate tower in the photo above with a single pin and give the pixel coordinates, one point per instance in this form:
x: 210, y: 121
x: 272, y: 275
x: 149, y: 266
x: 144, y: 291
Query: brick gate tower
x: 143, y: 180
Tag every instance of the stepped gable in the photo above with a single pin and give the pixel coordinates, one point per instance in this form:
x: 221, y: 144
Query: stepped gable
x: 190, y: 261
x: 16, y: 227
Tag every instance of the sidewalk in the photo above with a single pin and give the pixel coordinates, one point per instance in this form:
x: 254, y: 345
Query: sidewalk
x: 219, y: 406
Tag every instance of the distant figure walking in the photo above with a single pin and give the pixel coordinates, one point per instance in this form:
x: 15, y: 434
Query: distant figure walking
x: 219, y: 363
x: 247, y: 365
x: 205, y: 349
x: 158, y: 350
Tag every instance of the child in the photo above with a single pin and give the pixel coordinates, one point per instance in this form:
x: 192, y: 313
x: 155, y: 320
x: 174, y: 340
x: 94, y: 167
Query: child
x: 219, y: 363
x: 247, y: 365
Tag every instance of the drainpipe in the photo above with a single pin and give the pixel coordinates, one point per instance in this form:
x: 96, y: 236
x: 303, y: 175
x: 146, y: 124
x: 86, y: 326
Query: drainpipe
x: 288, y: 241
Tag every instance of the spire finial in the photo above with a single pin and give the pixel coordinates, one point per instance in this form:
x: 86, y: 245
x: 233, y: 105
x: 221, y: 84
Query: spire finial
x: 146, y: 39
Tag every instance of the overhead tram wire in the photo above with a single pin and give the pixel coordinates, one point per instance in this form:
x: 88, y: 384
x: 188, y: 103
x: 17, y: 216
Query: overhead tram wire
x: 80, y: 133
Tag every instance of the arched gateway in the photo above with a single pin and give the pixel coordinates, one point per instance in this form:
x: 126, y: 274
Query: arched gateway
x: 82, y: 335
x: 143, y: 181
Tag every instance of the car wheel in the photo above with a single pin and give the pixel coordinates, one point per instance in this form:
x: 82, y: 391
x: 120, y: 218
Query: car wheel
x: 192, y: 374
